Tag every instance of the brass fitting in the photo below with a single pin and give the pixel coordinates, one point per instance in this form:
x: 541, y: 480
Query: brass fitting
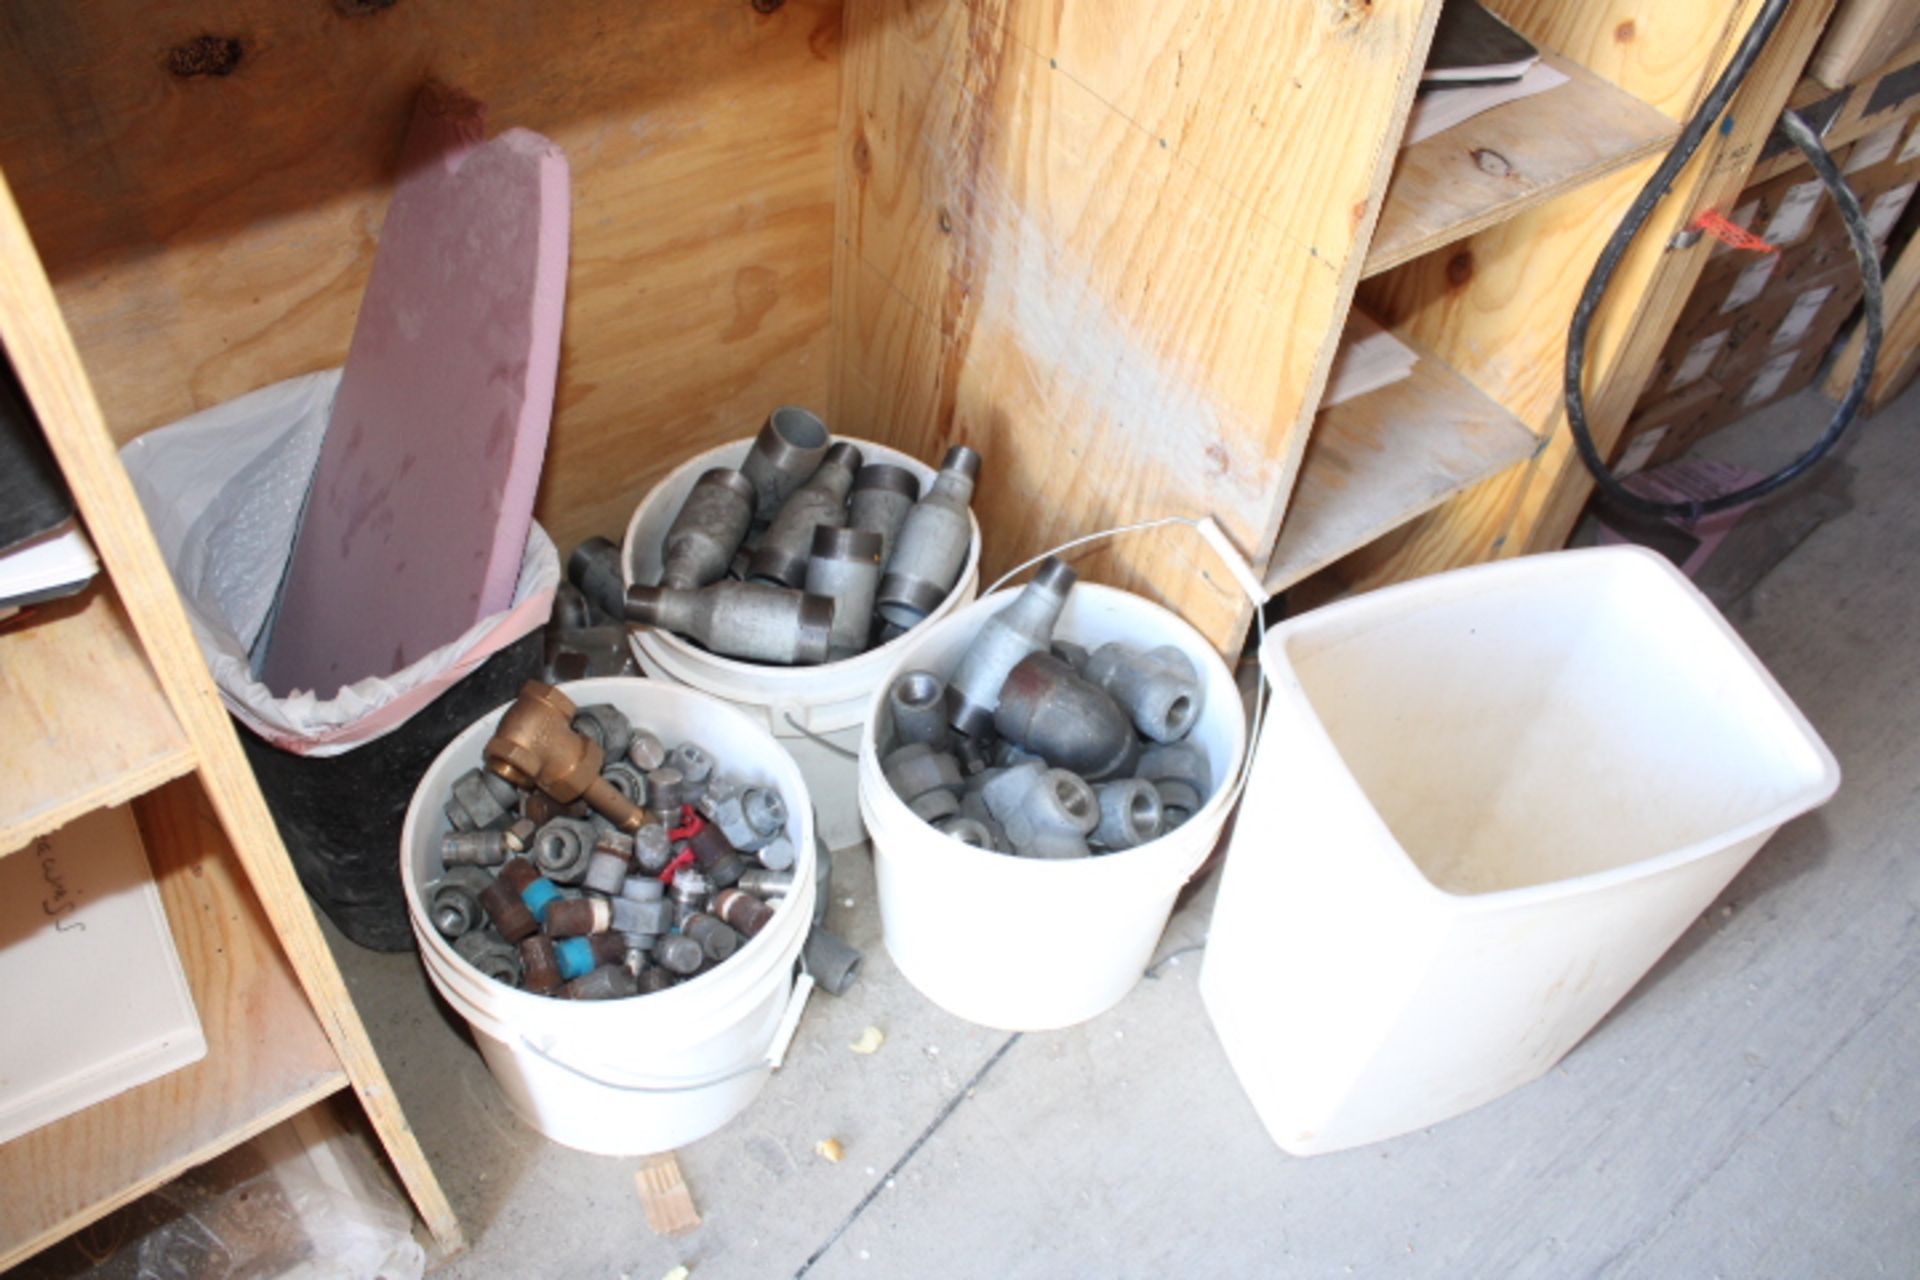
x: 535, y: 746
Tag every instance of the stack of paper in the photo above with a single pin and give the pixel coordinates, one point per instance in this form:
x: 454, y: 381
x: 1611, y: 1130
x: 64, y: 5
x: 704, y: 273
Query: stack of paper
x: 1476, y: 63
x: 43, y: 554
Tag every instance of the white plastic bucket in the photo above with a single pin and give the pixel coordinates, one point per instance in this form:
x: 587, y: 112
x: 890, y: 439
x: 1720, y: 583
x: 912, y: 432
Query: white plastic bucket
x: 826, y: 700
x: 1483, y: 805
x: 650, y: 1073
x: 1030, y: 944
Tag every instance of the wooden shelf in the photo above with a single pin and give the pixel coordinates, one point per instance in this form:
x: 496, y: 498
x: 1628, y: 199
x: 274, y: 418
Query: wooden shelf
x: 1494, y: 165
x: 87, y: 725
x: 1379, y: 460
x: 267, y: 1057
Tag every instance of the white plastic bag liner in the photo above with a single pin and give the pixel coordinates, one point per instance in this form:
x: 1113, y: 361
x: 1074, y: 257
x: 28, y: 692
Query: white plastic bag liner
x: 223, y: 491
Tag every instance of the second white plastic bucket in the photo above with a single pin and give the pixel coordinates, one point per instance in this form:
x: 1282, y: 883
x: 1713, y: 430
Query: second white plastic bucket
x: 826, y: 700
x: 1030, y: 944
x: 649, y: 1073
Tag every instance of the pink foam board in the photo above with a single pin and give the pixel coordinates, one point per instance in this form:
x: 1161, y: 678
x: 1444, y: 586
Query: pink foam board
x: 418, y: 515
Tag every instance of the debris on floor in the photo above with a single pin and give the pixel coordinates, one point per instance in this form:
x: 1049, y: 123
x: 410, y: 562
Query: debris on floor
x: 663, y: 1193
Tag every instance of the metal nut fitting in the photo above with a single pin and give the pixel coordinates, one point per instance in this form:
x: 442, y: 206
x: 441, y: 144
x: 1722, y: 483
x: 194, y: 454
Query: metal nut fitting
x: 627, y: 780
x: 689, y: 892
x: 928, y: 781
x: 607, y: 725
x: 1047, y: 813
x: 777, y: 854
x: 693, y: 761
x: 643, y: 888
x: 453, y: 901
x: 749, y: 817
x: 1129, y: 813
x: 918, y: 702
x: 562, y: 848
x: 652, y: 849
x: 667, y: 784
x: 1160, y: 688
x: 493, y: 956
x: 481, y: 801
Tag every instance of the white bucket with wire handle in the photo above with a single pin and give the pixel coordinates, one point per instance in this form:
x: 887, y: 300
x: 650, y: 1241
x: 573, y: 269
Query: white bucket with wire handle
x: 1030, y: 944
x: 648, y: 1073
x: 815, y: 711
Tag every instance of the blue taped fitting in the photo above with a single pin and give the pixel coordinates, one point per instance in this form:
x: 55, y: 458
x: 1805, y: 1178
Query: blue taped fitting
x: 539, y: 896
x: 576, y: 956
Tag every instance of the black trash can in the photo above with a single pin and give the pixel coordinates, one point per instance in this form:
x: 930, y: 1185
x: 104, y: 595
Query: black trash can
x: 340, y: 816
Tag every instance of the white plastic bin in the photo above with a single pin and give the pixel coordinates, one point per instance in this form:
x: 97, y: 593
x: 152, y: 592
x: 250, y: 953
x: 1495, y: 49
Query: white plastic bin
x: 1483, y: 805
x: 826, y: 700
x: 654, y: 1072
x: 1030, y: 944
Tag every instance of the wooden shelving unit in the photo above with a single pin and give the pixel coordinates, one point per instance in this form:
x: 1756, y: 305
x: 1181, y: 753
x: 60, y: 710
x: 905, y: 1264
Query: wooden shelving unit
x: 106, y: 699
x: 267, y: 1056
x: 1487, y: 169
x: 88, y: 726
x: 1377, y: 461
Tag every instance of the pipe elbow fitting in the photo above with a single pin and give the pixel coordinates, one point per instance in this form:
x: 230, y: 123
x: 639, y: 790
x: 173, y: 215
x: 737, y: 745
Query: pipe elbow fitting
x: 1159, y: 688
x: 1047, y: 813
x: 1182, y: 775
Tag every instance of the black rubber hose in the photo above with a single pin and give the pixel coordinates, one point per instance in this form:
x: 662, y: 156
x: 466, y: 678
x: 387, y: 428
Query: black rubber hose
x: 1802, y: 136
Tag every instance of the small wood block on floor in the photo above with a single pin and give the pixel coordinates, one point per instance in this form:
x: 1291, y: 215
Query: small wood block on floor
x: 663, y: 1191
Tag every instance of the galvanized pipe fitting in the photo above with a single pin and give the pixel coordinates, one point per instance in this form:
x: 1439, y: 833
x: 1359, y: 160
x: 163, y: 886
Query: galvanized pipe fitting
x: 562, y: 849
x: 967, y: 831
x: 764, y: 882
x: 741, y: 620
x: 594, y: 567
x: 1048, y: 708
x: 882, y: 496
x: 652, y: 849
x: 606, y: 870
x: 844, y: 566
x: 606, y: 724
x: 717, y: 938
x: 635, y: 917
x: 666, y: 785
x: 1047, y: 813
x: 749, y: 817
x: 646, y: 752
x: 643, y: 888
x: 693, y: 762
x: 933, y: 543
x: 781, y: 554
x: 918, y: 701
x: 1129, y: 813
x: 744, y: 913
x: 1182, y: 775
x: 1160, y: 688
x: 488, y: 848
x: 928, y: 781
x: 688, y: 893
x: 482, y: 801
x: 677, y: 953
x: 1023, y: 627
x: 608, y: 982
x: 712, y: 524
x: 627, y: 780
x: 453, y: 901
x: 491, y: 954
x: 784, y: 456
x: 777, y: 854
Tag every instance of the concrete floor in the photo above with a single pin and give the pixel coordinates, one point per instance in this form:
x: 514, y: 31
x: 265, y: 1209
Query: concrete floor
x: 1751, y: 1109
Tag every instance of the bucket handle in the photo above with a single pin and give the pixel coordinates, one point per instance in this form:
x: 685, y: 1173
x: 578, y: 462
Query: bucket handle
x: 1237, y: 568
x: 776, y: 1053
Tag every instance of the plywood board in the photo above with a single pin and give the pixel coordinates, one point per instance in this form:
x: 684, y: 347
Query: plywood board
x: 266, y: 1054
x: 1381, y: 459
x: 1498, y: 163
x: 1110, y: 247
x: 87, y: 725
x: 212, y: 233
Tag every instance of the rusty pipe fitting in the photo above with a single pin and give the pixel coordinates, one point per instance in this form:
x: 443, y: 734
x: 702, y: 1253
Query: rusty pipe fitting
x: 1051, y: 710
x: 578, y: 917
x: 742, y: 912
x: 711, y: 525
x: 506, y: 902
x: 784, y: 456
x: 535, y: 745
x: 539, y: 965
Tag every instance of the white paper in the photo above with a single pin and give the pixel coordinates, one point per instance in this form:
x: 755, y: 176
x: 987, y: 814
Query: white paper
x: 1440, y: 109
x: 1638, y: 450
x: 1768, y: 380
x: 1874, y: 148
x: 1795, y: 213
x: 55, y: 559
x: 1699, y: 358
x: 1749, y: 283
x: 1885, y: 211
x: 1805, y: 307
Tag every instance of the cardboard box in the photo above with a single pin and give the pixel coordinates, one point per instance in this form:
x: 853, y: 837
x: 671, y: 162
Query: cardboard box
x: 1667, y: 428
